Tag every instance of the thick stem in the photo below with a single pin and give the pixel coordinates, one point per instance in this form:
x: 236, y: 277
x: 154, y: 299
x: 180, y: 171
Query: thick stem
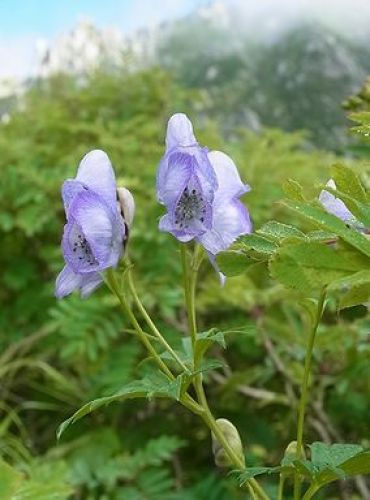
x: 190, y: 277
x: 189, y: 288
x: 304, y: 389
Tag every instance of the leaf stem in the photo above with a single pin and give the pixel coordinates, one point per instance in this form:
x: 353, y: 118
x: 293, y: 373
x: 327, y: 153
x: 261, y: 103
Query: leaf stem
x: 304, y: 389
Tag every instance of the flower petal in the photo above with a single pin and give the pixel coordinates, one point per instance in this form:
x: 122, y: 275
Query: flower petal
x: 103, y: 231
x: 173, y: 175
x: 334, y: 205
x: 231, y: 220
x: 66, y: 282
x: 89, y: 283
x: 229, y: 182
x: 166, y: 225
x: 179, y: 131
x: 96, y: 172
x: 70, y: 190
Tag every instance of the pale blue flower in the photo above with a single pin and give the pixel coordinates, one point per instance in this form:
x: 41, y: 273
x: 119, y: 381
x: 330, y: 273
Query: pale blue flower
x: 335, y: 206
x: 95, y: 230
x: 200, y: 190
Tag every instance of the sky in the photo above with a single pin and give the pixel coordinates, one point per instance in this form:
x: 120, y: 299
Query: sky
x: 23, y: 22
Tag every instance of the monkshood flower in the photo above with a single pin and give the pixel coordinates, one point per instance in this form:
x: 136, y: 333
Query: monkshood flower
x: 336, y: 207
x: 95, y: 229
x: 200, y: 190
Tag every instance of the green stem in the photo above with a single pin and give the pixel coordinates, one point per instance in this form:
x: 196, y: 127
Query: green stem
x: 189, y: 288
x: 304, y: 390
x: 211, y: 423
x: 151, y: 324
x: 190, y: 278
x: 280, y: 495
x: 133, y: 332
x: 114, y: 286
x: 310, y: 492
x: 251, y: 492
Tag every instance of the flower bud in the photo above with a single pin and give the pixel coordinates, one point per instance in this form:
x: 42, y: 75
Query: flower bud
x: 291, y: 452
x: 126, y: 205
x: 232, y: 437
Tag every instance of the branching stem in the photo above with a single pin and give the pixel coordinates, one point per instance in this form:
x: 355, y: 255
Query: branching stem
x: 151, y: 324
x: 114, y: 286
x: 304, y: 389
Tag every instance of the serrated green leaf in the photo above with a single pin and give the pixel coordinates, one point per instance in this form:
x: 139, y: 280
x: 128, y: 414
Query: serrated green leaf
x: 316, y: 215
x: 356, y: 288
x: 252, y: 472
x: 358, y: 463
x: 348, y: 182
x: 310, y: 266
x: 359, y: 294
x: 323, y: 236
x: 323, y: 455
x: 233, y: 263
x: 293, y: 190
x: 157, y: 385
x: 362, y: 117
x: 305, y: 467
x: 347, y: 282
x: 257, y: 243
x: 277, y: 231
x: 208, y: 365
x: 210, y: 336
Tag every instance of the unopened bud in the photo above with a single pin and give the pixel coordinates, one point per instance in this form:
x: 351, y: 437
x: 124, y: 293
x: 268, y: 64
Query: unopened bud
x: 126, y: 205
x: 232, y: 437
x: 290, y: 453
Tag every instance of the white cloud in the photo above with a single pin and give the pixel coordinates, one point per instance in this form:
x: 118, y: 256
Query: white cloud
x: 17, y: 56
x: 350, y: 17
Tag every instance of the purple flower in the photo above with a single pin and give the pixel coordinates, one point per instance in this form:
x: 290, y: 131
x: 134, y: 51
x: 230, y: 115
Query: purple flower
x: 335, y: 206
x: 200, y: 190
x: 95, y: 230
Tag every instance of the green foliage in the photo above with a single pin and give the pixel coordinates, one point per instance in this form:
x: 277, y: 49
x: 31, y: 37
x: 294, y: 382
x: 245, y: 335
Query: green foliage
x: 328, y: 463
x: 41, y: 482
x: 57, y: 356
x: 10, y: 480
x: 155, y: 385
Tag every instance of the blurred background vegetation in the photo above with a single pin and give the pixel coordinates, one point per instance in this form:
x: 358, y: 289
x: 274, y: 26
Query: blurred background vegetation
x: 277, y: 109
